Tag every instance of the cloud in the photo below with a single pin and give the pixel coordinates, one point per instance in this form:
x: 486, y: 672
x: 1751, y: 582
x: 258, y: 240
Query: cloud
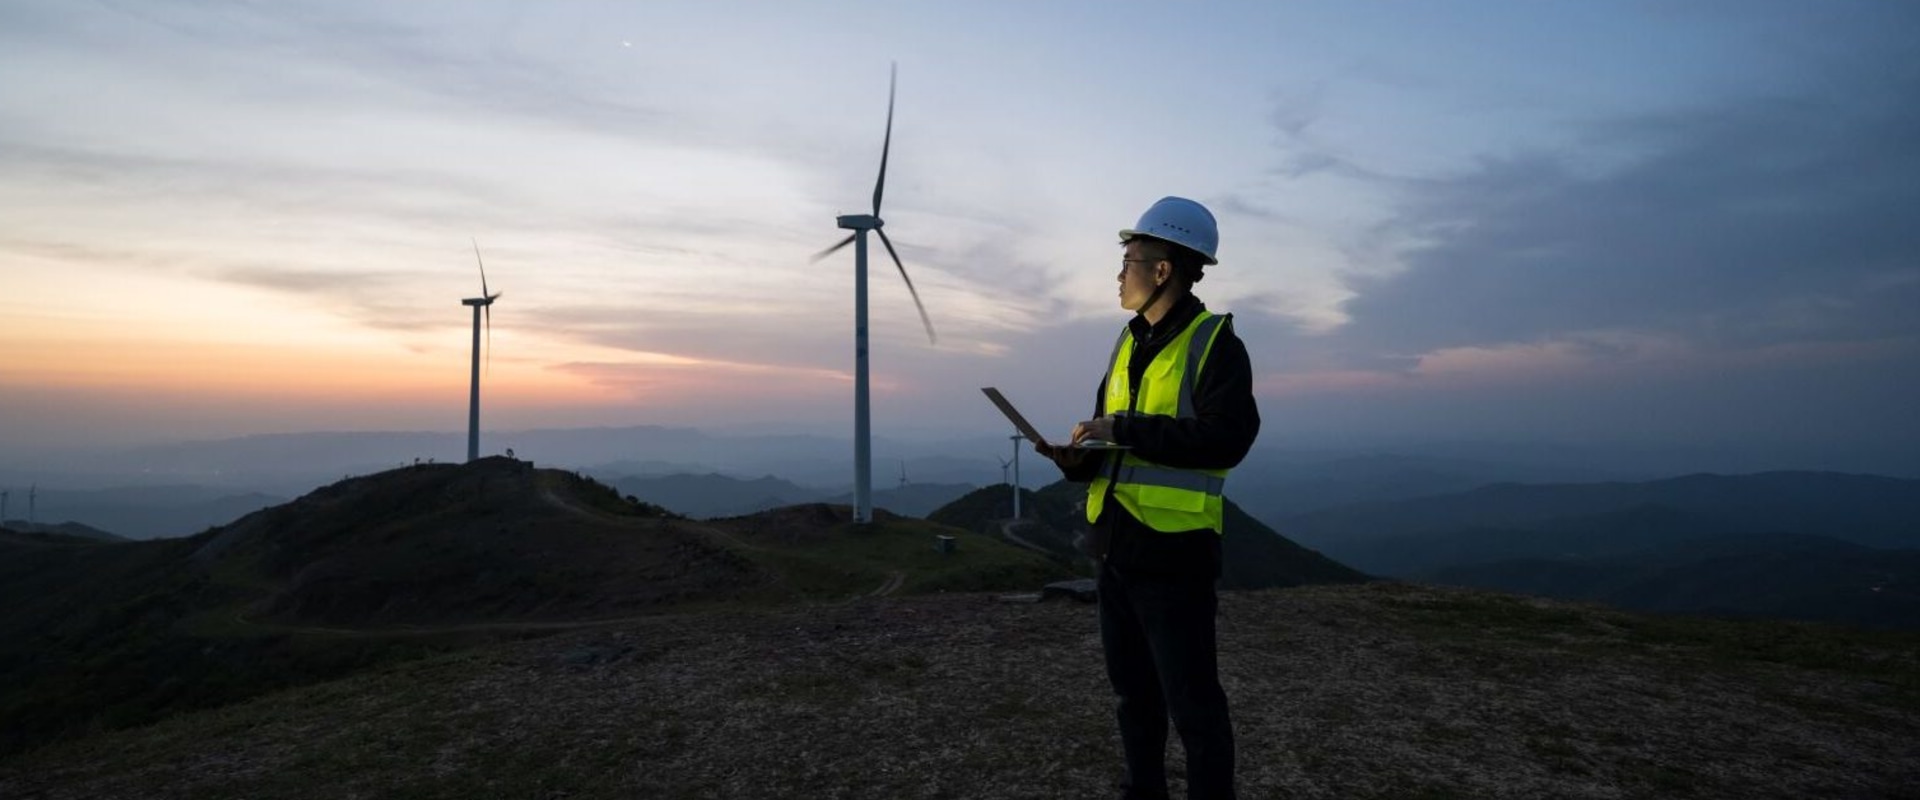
x: 1745, y: 225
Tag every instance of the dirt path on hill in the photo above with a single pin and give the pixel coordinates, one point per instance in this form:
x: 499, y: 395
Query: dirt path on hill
x: 557, y: 501
x: 891, y: 585
x: 410, y: 630
x: 1006, y: 529
x: 564, y: 504
x: 895, y: 579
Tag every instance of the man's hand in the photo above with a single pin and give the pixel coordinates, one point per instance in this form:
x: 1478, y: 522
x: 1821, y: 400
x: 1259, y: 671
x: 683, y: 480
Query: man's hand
x: 1067, y: 458
x: 1097, y: 428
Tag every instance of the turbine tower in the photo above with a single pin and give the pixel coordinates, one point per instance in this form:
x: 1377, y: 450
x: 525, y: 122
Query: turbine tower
x: 1016, y: 474
x: 482, y: 303
x: 860, y: 224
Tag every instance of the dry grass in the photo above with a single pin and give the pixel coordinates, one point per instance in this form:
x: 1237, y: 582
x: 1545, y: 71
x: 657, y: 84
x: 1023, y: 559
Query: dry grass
x: 1350, y: 692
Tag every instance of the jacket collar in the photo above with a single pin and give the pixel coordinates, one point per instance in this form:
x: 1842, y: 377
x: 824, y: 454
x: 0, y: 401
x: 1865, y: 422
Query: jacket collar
x: 1176, y: 320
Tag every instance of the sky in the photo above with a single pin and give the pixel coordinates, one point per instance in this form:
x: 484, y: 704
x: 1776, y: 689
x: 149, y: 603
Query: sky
x: 1635, y: 223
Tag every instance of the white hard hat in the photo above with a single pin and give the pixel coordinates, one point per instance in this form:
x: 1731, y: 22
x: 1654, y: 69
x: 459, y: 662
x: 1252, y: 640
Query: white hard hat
x: 1182, y: 222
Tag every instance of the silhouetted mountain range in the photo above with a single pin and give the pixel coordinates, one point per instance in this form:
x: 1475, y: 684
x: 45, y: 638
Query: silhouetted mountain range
x: 1274, y: 484
x: 1778, y: 576
x: 64, y: 530
x: 1796, y: 545
x: 294, y: 462
x: 1864, y: 509
x: 148, y: 512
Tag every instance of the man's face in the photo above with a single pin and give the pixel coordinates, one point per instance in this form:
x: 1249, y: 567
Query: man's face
x: 1139, y: 269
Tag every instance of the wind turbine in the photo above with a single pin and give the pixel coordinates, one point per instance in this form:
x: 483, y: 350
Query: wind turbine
x: 1003, y: 469
x: 483, y: 302
x: 3, y: 507
x: 860, y: 224
x: 33, y: 493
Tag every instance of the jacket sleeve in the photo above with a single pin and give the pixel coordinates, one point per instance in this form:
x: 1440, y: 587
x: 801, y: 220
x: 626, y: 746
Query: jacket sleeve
x: 1226, y: 419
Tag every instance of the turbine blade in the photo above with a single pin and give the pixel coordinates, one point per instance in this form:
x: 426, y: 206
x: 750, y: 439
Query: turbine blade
x: 910, y: 290
x: 836, y: 248
x: 886, y: 144
x: 483, y: 267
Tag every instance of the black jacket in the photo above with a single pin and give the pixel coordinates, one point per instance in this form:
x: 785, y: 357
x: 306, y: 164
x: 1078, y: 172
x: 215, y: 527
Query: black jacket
x: 1225, y: 425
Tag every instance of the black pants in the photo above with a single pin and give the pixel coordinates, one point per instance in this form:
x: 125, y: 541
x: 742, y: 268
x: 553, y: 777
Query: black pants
x: 1158, y: 634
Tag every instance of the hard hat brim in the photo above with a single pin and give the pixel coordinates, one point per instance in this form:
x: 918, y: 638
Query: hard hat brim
x: 1128, y: 233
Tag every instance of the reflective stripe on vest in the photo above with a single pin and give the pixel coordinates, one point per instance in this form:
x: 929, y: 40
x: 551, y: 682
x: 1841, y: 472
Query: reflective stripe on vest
x: 1191, y: 480
x: 1164, y: 498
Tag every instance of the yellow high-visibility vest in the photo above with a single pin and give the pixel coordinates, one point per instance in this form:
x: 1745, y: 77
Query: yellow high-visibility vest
x: 1165, y: 498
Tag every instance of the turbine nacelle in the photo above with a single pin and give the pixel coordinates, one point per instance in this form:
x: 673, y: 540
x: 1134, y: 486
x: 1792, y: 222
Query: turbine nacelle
x: 860, y: 222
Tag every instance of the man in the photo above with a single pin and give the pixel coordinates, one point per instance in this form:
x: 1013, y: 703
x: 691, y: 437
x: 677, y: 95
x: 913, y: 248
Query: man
x: 1178, y: 394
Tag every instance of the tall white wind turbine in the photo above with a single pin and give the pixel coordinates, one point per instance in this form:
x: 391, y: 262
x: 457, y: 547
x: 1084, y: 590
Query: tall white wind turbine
x: 860, y: 224
x: 1016, y: 473
x: 483, y: 303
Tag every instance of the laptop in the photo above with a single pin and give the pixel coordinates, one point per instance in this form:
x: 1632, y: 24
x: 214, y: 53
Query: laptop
x: 1033, y: 434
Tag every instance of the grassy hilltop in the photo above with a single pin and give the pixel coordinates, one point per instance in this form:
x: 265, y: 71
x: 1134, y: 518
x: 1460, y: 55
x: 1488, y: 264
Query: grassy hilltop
x: 1375, y: 690
x: 493, y: 630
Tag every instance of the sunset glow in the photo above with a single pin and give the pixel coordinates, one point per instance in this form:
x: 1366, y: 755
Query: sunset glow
x: 222, y: 220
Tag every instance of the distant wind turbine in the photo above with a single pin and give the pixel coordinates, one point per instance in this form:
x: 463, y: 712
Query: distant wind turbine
x: 1003, y: 470
x: 3, y: 506
x: 860, y: 224
x: 482, y: 303
x: 33, y: 494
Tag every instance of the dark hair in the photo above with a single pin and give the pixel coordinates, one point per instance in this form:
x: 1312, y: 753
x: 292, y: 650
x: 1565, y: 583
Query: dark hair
x: 1188, y: 265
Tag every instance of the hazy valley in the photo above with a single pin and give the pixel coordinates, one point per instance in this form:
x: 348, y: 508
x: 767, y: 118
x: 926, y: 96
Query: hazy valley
x: 1537, y: 520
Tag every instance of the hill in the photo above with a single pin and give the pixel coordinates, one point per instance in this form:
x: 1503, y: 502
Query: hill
x: 911, y: 500
x: 1667, y: 545
x: 65, y: 529
x: 405, y: 563
x: 1864, y: 509
x: 1275, y: 483
x: 1785, y: 576
x: 149, y: 512
x: 714, y: 495
x: 1253, y: 555
x: 1049, y: 519
x: 1589, y: 536
x: 1365, y: 691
